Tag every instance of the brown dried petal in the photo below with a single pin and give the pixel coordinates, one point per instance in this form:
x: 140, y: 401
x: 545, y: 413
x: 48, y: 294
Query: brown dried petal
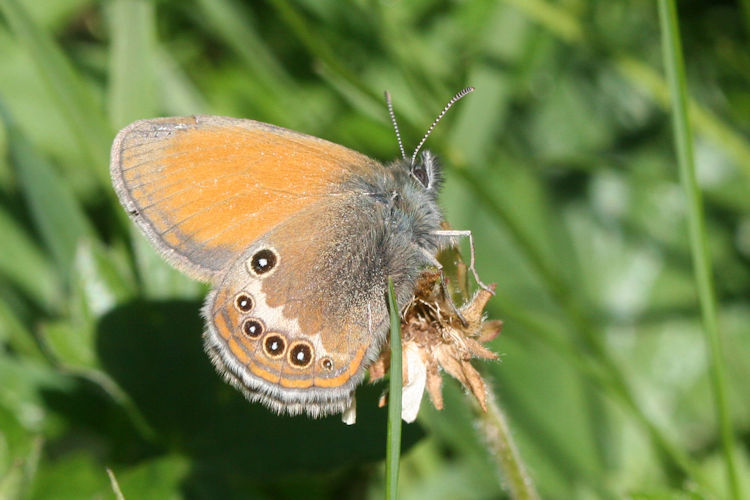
x: 451, y: 365
x: 478, y: 350
x: 490, y: 330
x: 474, y: 310
x: 434, y: 336
x: 435, y: 385
x: 475, y: 384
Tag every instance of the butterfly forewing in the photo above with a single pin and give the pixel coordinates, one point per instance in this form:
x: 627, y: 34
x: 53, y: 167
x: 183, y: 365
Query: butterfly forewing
x: 204, y: 188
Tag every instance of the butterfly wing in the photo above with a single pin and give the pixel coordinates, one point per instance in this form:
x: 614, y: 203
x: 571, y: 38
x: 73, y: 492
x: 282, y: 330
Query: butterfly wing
x: 295, y: 233
x: 203, y: 188
x: 299, y: 335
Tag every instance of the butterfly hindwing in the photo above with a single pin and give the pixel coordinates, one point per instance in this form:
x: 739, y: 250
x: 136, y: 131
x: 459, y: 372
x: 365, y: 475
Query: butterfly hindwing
x: 298, y: 317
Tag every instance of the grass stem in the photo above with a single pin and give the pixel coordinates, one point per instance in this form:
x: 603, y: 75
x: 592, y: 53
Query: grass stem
x: 393, y: 449
x: 683, y: 137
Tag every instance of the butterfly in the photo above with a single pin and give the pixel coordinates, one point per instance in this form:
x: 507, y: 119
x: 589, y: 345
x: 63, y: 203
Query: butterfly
x: 297, y: 236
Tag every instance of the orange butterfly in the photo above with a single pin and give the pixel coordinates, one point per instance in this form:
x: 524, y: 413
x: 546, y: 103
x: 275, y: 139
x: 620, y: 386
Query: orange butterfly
x: 296, y: 234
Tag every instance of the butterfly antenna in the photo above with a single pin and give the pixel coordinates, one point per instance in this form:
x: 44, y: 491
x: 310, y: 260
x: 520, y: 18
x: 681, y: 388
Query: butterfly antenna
x: 453, y: 101
x: 395, y: 125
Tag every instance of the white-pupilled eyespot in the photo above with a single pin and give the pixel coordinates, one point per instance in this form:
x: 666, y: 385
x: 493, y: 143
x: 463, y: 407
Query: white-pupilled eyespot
x: 301, y: 354
x: 274, y: 345
x: 243, y: 302
x: 263, y: 262
x: 252, y: 328
x: 326, y: 363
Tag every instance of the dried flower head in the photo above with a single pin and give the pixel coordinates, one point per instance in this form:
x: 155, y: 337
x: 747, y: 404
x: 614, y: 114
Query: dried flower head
x: 436, y: 335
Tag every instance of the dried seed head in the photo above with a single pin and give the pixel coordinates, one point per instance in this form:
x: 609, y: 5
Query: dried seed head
x: 435, y: 335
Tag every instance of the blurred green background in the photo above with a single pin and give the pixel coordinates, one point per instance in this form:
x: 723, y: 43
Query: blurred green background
x: 561, y: 163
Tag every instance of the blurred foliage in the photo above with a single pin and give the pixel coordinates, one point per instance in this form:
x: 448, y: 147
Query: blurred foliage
x: 562, y: 163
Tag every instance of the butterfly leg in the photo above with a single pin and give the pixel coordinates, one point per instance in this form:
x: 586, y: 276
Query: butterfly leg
x: 449, y: 233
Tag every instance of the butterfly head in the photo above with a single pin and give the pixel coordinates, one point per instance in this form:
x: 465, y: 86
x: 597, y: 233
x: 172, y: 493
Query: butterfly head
x: 424, y: 169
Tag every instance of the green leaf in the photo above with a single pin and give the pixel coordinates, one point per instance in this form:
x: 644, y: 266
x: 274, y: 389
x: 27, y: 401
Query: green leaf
x: 17, y: 334
x: 15, y: 482
x: 23, y: 382
x: 158, y: 279
x: 99, y: 283
x: 70, y: 345
x: 73, y: 476
x: 156, y: 479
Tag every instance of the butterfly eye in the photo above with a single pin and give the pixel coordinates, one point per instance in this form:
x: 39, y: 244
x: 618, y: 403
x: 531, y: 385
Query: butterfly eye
x: 274, y: 345
x: 252, y: 328
x: 421, y: 175
x: 243, y: 302
x: 301, y: 355
x: 263, y: 261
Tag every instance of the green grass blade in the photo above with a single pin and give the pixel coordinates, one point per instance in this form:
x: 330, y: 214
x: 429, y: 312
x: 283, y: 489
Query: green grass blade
x: 183, y: 96
x: 318, y: 47
x: 74, y: 103
x: 115, y: 485
x: 393, y: 449
x: 231, y: 24
x: 675, y: 70
x: 555, y: 18
x: 133, y: 86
